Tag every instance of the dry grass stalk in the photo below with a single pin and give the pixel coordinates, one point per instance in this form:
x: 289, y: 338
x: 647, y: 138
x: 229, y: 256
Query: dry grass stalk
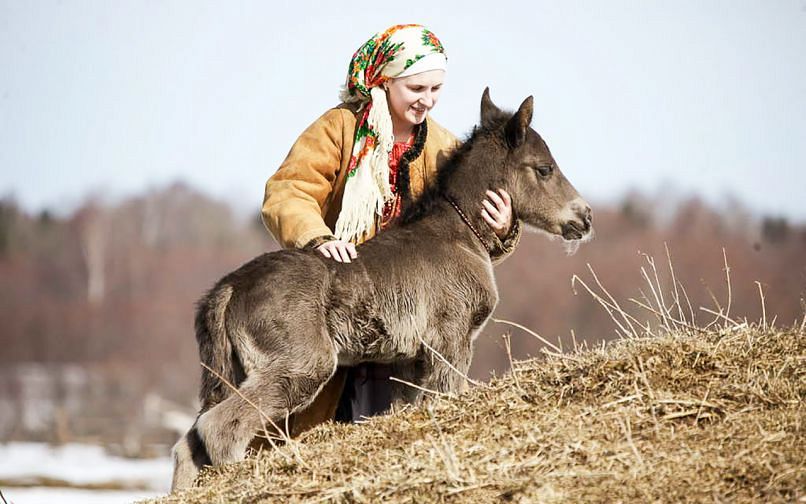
x: 657, y: 292
x: 669, y: 318
x: 420, y: 388
x: 613, y: 301
x: 727, y: 279
x: 675, y: 283
x: 611, y: 309
x: 539, y: 337
x: 513, y: 370
x: 719, y: 315
x: 577, y: 348
x: 763, y: 305
x: 676, y: 322
x: 803, y: 321
x: 688, y: 303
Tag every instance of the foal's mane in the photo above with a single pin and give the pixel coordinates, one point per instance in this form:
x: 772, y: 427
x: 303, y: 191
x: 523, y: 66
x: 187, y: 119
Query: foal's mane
x: 434, y: 194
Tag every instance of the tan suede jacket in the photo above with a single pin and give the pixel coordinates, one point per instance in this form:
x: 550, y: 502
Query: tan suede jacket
x: 303, y: 198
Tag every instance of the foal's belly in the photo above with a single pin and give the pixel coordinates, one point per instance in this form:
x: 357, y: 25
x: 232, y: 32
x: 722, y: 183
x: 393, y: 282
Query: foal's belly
x: 388, y: 334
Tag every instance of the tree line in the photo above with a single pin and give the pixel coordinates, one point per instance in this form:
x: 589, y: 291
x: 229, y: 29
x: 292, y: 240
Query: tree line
x: 112, y: 287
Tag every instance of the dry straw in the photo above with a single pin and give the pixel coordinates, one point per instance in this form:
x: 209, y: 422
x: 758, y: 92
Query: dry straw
x: 672, y: 412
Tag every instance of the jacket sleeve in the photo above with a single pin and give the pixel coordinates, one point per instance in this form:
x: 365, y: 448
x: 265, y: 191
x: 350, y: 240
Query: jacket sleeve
x: 296, y: 193
x: 503, y: 248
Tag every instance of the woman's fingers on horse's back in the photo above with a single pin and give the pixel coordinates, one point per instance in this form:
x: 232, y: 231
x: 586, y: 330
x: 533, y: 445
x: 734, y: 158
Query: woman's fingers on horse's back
x: 495, y: 198
x: 343, y: 253
x: 491, y: 210
x: 337, y: 253
x: 506, y: 197
x: 323, y: 250
x: 488, y: 219
x: 333, y: 250
x: 338, y: 250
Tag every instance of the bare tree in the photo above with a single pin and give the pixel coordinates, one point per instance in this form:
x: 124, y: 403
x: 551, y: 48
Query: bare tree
x: 92, y: 225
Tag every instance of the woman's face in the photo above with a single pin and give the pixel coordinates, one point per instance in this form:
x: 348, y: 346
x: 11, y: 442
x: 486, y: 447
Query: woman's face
x: 410, y: 98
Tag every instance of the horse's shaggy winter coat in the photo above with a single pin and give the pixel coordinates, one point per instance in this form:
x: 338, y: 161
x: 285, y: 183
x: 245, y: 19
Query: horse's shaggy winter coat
x: 416, y: 297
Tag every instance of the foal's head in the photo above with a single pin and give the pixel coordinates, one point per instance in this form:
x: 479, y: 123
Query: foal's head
x: 522, y: 164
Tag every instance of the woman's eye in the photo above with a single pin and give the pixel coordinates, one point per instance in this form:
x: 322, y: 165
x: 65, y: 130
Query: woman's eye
x: 545, y: 170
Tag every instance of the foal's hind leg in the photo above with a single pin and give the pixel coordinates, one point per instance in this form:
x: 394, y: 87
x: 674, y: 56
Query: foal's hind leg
x: 189, y: 457
x: 282, y: 387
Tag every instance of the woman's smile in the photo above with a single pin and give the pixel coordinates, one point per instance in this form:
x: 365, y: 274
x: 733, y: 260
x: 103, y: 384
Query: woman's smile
x: 419, y: 109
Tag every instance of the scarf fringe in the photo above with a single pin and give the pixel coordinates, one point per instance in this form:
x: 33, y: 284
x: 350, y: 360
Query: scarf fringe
x: 359, y: 217
x: 369, y: 189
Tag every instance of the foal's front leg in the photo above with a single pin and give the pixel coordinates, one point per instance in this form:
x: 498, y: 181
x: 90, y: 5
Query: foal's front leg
x: 446, y: 361
x: 404, y: 386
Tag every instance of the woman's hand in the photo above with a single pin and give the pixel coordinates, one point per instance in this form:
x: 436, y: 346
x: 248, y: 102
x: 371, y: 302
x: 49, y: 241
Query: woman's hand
x: 338, y: 250
x: 498, y: 214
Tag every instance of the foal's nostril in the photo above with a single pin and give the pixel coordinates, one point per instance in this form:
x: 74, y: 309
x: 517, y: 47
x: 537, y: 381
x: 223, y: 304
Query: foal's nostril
x: 588, y: 215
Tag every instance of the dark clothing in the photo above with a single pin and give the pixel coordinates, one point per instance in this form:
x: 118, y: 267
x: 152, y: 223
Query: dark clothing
x: 367, y: 392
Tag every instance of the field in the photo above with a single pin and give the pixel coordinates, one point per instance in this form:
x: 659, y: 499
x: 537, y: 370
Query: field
x: 689, y: 415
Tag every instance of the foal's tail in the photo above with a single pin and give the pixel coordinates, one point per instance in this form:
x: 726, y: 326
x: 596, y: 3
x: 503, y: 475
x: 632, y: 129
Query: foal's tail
x: 215, y: 347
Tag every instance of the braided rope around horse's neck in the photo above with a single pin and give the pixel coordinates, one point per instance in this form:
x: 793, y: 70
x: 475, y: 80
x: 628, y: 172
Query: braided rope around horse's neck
x: 466, y: 221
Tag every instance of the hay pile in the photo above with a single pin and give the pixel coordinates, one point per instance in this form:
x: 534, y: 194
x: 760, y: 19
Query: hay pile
x: 715, y: 416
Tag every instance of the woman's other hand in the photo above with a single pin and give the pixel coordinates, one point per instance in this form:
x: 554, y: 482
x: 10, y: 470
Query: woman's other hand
x: 338, y: 250
x: 497, y: 212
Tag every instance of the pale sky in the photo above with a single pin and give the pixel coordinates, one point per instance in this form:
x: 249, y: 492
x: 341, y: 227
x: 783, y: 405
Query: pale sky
x: 666, y: 96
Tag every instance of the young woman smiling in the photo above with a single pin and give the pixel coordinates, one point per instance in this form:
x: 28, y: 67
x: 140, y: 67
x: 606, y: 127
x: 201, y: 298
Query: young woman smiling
x: 352, y: 171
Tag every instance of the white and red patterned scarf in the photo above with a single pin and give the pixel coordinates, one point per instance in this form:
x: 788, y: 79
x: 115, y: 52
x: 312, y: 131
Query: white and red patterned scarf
x: 400, y: 51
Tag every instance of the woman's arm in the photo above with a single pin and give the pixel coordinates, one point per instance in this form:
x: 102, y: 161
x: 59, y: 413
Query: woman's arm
x: 296, y: 194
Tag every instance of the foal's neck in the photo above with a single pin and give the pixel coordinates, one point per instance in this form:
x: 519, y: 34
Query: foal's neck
x: 466, y: 188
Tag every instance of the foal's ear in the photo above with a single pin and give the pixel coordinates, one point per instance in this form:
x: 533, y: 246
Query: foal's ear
x: 488, y: 108
x: 517, y: 126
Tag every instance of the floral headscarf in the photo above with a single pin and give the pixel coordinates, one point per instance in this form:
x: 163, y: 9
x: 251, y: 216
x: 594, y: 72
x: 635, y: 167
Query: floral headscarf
x: 400, y: 51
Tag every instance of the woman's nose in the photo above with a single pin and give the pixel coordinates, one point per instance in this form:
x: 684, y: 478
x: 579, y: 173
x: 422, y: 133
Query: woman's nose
x: 427, y: 99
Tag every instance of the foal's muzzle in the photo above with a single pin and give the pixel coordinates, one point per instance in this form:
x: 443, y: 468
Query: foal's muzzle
x: 580, y: 227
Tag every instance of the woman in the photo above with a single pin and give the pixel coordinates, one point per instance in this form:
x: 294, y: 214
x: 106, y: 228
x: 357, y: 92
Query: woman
x: 351, y: 172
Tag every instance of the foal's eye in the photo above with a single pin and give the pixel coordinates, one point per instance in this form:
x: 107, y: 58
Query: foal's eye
x: 545, y: 170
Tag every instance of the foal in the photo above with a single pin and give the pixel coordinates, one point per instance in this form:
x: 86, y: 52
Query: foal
x: 278, y: 326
